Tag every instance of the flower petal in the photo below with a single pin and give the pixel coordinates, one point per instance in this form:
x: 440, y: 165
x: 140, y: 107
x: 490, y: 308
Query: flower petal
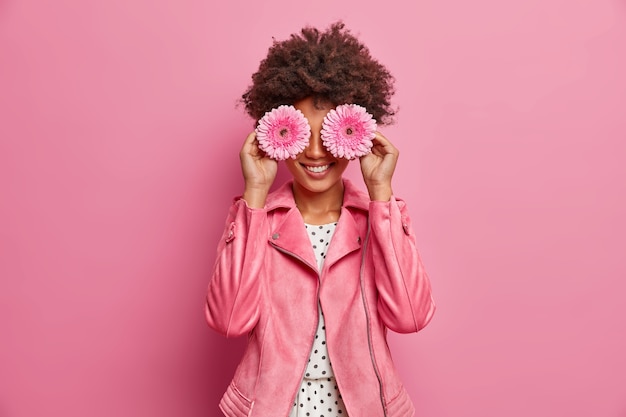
x: 348, y: 130
x: 283, y: 132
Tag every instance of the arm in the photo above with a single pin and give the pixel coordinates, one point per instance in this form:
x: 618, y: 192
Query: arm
x: 405, y: 301
x: 404, y: 293
x: 234, y: 293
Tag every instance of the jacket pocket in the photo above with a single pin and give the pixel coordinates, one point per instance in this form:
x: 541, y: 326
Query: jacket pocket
x: 401, y: 405
x: 235, y: 404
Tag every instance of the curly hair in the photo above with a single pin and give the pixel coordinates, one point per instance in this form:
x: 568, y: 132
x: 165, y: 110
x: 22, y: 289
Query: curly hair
x: 331, y: 66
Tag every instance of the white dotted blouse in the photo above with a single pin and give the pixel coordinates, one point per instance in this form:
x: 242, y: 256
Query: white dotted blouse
x: 318, y: 395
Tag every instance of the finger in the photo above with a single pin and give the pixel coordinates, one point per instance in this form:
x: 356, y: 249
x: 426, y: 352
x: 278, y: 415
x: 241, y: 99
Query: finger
x: 383, y: 144
x: 251, y: 146
x: 249, y: 143
x: 378, y: 150
x: 380, y: 136
x: 381, y: 139
x: 250, y: 138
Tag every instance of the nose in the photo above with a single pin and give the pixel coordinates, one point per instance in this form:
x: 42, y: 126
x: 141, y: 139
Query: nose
x: 315, y: 149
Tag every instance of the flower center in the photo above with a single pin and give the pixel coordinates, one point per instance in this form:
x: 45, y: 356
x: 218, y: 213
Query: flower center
x: 349, y: 131
x: 283, y: 132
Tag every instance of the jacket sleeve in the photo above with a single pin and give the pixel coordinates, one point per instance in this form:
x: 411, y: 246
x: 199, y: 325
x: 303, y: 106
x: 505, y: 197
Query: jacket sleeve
x: 233, y: 296
x: 405, y: 301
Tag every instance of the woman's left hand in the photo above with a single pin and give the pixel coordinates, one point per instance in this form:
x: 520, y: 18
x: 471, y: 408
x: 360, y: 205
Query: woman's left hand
x: 378, y: 166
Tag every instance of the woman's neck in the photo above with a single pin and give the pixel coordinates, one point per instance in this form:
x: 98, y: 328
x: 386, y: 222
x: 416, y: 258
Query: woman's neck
x: 319, y: 207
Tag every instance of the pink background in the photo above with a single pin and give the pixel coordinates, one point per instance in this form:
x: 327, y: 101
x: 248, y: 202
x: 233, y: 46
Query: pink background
x: 119, y: 135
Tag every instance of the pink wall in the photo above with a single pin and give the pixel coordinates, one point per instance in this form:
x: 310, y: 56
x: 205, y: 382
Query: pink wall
x: 118, y: 158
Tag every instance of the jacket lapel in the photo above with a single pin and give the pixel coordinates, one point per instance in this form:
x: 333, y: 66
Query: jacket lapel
x: 291, y: 237
x: 347, y: 238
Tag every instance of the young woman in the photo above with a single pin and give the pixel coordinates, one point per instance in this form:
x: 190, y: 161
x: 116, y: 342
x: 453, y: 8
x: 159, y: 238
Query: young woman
x: 315, y: 272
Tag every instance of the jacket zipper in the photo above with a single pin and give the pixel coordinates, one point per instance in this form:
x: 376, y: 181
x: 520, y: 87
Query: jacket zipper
x: 367, y: 315
x: 318, y: 305
x: 367, y: 319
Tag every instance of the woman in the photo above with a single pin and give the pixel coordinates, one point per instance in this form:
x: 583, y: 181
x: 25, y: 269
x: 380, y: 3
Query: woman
x: 317, y: 271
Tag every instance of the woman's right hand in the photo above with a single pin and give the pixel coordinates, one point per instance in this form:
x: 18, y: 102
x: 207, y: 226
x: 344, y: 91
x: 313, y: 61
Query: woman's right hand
x: 259, y: 172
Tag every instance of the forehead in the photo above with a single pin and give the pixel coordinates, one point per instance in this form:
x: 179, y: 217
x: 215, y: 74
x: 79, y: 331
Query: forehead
x: 313, y: 109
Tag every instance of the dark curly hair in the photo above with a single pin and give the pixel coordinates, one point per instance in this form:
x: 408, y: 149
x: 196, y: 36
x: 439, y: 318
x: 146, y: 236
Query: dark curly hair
x: 331, y: 66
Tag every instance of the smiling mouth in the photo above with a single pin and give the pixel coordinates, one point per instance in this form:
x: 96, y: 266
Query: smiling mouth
x: 317, y: 169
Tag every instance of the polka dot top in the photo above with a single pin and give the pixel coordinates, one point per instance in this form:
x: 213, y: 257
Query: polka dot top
x: 319, y: 364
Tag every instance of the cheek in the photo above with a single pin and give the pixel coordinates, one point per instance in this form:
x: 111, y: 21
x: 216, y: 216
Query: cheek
x: 291, y: 165
x: 342, y: 164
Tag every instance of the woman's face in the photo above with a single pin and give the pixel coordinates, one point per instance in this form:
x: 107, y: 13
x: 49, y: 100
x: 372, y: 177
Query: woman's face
x: 315, y: 169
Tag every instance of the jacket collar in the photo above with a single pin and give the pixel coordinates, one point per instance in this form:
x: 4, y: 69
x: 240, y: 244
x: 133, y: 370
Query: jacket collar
x: 291, y: 237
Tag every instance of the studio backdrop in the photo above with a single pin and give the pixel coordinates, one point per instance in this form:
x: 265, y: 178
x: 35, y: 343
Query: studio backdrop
x: 119, y: 137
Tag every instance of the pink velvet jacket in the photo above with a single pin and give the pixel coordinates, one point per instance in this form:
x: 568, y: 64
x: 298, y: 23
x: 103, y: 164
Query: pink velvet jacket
x: 266, y: 284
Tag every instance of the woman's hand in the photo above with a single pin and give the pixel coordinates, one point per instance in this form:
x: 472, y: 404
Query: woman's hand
x: 377, y: 168
x: 259, y: 172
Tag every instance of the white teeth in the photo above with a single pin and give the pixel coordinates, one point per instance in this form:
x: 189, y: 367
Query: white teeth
x: 317, y: 169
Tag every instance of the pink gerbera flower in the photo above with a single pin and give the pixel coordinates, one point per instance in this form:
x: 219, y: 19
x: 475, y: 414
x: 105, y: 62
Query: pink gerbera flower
x: 283, y: 132
x: 348, y: 130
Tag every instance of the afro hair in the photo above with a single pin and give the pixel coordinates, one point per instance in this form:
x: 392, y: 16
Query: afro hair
x: 331, y: 66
